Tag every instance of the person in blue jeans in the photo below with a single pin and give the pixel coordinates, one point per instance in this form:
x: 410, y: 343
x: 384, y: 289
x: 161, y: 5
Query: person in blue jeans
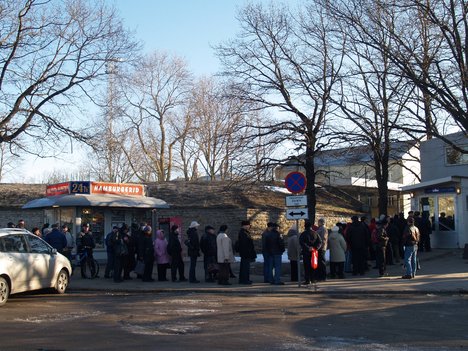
x: 274, y: 245
x: 267, y: 265
x: 411, y: 237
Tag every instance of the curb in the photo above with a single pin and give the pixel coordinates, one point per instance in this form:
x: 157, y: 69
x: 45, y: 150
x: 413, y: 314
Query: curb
x: 262, y: 291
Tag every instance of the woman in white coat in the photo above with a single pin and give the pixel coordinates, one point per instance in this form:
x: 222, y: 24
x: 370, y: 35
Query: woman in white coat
x: 337, y: 247
x: 225, y: 255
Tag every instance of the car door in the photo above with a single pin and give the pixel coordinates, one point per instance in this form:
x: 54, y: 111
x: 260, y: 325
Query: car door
x: 16, y: 262
x: 41, y: 261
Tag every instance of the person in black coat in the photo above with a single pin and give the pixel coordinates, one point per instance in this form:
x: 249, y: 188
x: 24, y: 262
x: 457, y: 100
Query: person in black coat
x: 209, y: 249
x: 395, y: 237
x: 119, y: 250
x: 129, y: 261
x: 358, y: 240
x: 174, y: 249
x: 380, y: 238
x: 110, y: 253
x: 246, y: 252
x: 193, y: 250
x: 309, y: 240
x: 85, y: 244
x: 56, y: 238
x: 146, y: 254
x: 274, y: 245
x: 425, y: 229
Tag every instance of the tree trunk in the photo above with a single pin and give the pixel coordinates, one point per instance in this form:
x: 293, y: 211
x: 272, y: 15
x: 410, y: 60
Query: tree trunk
x: 310, y: 177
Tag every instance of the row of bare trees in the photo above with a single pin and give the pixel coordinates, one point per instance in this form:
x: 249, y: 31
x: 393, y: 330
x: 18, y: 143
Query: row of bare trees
x: 159, y: 123
x: 60, y: 59
x: 354, y: 72
x: 294, y: 81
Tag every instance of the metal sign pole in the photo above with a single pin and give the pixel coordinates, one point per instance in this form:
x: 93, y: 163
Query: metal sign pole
x: 298, y: 256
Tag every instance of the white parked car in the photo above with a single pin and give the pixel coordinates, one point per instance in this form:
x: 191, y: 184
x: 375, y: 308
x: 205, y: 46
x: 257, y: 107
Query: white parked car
x: 28, y: 263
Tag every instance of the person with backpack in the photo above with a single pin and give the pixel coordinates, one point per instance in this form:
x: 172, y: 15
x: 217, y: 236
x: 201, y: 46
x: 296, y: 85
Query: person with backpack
x: 380, y: 240
x: 411, y: 239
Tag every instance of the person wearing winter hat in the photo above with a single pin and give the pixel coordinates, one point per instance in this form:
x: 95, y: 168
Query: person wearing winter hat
x: 194, y: 224
x: 337, y: 247
x: 161, y: 255
x: 193, y: 246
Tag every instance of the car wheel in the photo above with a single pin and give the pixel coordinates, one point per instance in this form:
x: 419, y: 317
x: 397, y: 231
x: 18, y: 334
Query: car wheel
x: 62, y: 282
x: 4, y: 291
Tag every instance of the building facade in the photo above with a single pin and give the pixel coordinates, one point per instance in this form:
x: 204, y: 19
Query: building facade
x: 352, y: 168
x: 443, y: 190
x: 101, y: 205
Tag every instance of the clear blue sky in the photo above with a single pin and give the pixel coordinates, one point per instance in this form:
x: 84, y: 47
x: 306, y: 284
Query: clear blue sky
x: 187, y: 28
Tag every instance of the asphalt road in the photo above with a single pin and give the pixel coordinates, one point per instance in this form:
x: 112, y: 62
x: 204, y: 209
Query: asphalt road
x: 188, y: 321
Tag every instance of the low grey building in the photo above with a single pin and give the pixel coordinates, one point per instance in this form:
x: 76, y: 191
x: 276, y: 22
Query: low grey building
x: 443, y: 190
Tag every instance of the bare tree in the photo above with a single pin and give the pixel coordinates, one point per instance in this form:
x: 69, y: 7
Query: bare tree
x: 154, y: 94
x: 373, y: 97
x: 8, y: 159
x: 52, y: 54
x: 184, y: 145
x: 286, y: 63
x: 216, y: 120
x: 428, y: 45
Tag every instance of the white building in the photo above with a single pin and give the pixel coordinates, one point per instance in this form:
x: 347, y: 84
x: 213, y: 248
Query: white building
x: 443, y: 190
x: 353, y: 167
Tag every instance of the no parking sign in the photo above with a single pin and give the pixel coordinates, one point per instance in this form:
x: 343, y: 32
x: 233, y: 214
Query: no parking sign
x: 295, y: 182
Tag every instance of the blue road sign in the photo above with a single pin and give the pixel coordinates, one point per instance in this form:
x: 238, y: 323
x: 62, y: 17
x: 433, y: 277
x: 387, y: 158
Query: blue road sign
x: 295, y: 182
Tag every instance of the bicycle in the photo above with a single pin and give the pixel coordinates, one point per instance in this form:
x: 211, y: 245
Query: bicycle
x: 92, y: 265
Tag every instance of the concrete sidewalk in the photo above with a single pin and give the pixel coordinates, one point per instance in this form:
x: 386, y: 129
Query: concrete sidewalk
x: 442, y: 272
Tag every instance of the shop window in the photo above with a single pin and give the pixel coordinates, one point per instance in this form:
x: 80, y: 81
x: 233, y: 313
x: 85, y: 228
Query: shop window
x: 95, y: 218
x: 455, y: 157
x: 446, y: 213
x: 117, y: 218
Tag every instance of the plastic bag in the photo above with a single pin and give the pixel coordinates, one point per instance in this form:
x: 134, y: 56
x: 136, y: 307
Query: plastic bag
x: 140, y: 268
x: 314, y: 259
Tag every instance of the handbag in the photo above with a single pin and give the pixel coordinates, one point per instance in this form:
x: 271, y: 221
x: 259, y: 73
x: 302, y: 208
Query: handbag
x: 314, y: 258
x: 140, y: 268
x: 213, y: 268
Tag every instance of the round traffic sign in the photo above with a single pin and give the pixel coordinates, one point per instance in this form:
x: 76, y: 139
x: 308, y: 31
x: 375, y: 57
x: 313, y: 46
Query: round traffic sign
x: 295, y: 182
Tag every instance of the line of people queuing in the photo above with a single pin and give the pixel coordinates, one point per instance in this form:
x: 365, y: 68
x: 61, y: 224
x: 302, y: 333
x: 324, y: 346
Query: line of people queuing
x: 133, y: 249
x: 351, y: 245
